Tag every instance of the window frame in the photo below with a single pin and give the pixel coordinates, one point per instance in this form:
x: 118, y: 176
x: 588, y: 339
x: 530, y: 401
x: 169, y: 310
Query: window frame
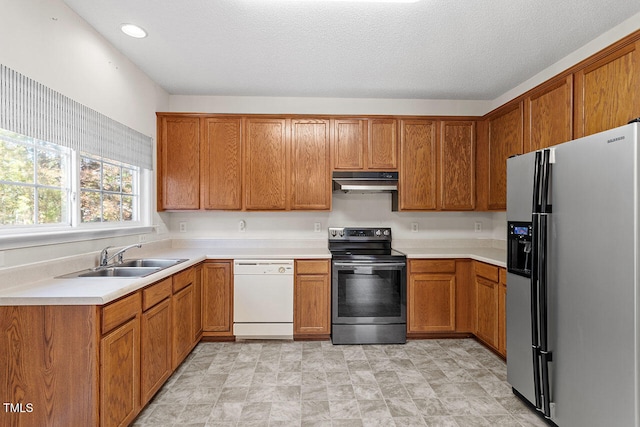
x: 73, y: 229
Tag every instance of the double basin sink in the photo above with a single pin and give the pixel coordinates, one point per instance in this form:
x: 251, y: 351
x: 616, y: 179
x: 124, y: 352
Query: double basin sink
x: 130, y: 268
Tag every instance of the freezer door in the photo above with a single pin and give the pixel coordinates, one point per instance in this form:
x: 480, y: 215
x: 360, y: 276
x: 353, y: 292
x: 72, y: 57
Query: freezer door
x: 520, y: 172
x: 519, y: 359
x: 592, y: 277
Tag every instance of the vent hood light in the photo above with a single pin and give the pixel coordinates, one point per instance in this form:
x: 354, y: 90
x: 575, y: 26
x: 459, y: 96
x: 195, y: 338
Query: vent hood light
x: 133, y: 30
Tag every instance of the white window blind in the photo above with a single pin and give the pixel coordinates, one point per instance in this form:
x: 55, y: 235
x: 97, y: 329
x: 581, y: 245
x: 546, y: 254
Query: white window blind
x: 30, y: 108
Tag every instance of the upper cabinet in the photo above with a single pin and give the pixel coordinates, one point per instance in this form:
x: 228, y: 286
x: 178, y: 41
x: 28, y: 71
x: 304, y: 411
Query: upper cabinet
x: 365, y: 144
x: 437, y: 165
x: 503, y: 139
x: 382, y: 150
x: 607, y: 93
x: 178, y: 162
x: 418, y: 173
x: 222, y: 163
x: 310, y: 164
x: 548, y: 118
x: 266, y: 162
x: 457, y: 165
x: 349, y: 136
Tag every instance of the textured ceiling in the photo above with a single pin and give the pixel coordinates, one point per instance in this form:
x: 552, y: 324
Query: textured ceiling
x: 432, y: 49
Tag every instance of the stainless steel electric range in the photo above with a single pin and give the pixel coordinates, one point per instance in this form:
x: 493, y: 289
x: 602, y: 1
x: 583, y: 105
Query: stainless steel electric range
x: 369, y: 287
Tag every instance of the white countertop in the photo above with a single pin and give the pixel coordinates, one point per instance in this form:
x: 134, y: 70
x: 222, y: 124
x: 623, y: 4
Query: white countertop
x: 101, y: 290
x: 489, y: 255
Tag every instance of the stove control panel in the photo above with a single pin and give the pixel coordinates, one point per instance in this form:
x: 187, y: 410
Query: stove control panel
x: 348, y: 233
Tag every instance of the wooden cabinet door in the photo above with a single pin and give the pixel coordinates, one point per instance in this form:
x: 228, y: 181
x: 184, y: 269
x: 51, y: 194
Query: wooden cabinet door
x: 266, y: 160
x: 505, y: 140
x: 155, y: 346
x: 487, y: 311
x: 548, y: 115
x: 349, y: 136
x: 119, y: 375
x: 418, y: 150
x: 382, y: 150
x: 182, y: 324
x: 217, y: 291
x: 457, y: 165
x: 178, y: 162
x: 222, y: 163
x: 312, y: 298
x: 502, y: 313
x: 197, y: 303
x: 310, y: 165
x: 432, y: 303
x: 607, y: 94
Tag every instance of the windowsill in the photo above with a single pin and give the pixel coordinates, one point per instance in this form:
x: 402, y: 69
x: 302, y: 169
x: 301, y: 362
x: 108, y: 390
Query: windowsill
x: 16, y: 241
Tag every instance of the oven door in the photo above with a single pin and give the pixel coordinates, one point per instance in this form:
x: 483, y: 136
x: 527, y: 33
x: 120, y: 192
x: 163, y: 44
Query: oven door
x: 369, y: 292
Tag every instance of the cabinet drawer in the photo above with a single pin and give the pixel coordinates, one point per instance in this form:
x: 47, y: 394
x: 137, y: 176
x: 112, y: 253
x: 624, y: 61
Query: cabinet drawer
x: 432, y: 266
x: 503, y: 276
x: 312, y: 267
x: 183, y: 279
x: 156, y: 293
x: 487, y: 271
x: 116, y: 313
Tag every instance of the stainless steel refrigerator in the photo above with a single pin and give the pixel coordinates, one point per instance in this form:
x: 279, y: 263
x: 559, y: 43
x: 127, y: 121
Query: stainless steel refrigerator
x: 573, y: 298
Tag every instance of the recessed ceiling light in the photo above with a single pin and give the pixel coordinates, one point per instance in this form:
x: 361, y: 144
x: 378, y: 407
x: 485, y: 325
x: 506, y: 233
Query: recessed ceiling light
x: 133, y: 31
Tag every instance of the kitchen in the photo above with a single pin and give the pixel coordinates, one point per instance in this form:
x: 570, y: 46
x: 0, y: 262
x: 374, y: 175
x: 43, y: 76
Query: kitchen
x: 105, y: 80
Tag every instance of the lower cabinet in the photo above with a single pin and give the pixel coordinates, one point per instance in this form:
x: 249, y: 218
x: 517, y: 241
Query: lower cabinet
x: 491, y: 305
x: 217, y: 299
x: 502, y: 313
x: 431, y: 298
x: 120, y: 362
x: 312, y: 299
x: 155, y: 339
x: 183, y: 307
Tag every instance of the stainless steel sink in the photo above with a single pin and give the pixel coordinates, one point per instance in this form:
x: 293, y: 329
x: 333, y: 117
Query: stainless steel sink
x: 120, y: 272
x: 127, y: 269
x: 151, y: 262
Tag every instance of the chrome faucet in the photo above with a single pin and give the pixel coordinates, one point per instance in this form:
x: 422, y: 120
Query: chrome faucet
x: 105, y: 258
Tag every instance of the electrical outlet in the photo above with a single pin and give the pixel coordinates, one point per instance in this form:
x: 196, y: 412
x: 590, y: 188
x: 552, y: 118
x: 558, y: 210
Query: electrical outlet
x: 242, y: 226
x: 414, y: 227
x: 477, y: 226
x: 317, y: 227
x: 142, y: 238
x: 183, y: 227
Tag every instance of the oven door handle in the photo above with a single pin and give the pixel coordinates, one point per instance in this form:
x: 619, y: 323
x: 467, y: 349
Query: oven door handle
x: 370, y: 264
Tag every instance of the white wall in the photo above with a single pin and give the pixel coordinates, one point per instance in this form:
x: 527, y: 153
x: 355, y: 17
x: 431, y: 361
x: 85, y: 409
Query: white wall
x: 627, y: 27
x: 273, y: 105
x: 47, y: 42
x: 367, y: 210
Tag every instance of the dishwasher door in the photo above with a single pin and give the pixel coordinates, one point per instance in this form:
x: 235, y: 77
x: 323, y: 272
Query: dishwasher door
x: 263, y: 299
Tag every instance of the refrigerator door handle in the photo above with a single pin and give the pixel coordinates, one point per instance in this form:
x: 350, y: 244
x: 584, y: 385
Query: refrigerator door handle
x: 535, y: 271
x: 545, y: 355
x: 537, y: 177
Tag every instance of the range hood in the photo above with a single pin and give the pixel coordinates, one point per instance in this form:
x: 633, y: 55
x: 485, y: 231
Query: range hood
x: 365, y: 182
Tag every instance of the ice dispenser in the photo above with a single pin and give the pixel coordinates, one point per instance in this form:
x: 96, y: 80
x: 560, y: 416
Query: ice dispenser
x: 519, y: 255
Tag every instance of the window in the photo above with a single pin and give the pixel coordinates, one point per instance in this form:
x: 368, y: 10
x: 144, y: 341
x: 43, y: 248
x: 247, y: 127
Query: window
x: 108, y: 191
x: 34, y: 182
x: 44, y: 184
x: 67, y: 172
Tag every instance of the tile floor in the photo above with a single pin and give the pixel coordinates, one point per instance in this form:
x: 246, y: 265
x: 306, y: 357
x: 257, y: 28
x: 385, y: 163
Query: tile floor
x: 452, y: 382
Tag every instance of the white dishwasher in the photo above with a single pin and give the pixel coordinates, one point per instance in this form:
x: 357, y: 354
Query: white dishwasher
x: 263, y: 299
